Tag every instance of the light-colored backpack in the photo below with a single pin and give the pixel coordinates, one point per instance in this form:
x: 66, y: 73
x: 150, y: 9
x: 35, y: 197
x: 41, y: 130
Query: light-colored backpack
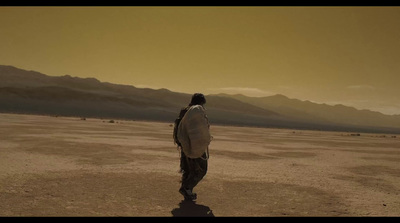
x: 194, y: 132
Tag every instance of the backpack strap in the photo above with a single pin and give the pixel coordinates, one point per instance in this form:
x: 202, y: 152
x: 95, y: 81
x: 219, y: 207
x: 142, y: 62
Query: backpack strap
x: 207, y: 155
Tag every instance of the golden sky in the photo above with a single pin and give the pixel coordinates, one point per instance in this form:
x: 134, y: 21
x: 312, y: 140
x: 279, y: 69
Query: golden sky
x: 347, y: 55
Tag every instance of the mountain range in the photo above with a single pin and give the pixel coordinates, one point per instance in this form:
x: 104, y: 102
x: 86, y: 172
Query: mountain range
x: 31, y: 92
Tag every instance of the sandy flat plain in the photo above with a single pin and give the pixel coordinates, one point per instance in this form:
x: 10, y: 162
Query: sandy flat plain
x: 66, y: 166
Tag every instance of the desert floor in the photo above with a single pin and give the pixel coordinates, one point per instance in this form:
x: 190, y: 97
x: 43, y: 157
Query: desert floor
x: 66, y: 166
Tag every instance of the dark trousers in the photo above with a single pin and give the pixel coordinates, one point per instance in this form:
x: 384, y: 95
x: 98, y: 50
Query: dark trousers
x: 193, y: 170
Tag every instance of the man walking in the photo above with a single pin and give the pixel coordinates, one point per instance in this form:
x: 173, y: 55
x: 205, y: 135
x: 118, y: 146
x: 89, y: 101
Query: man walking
x: 193, y: 137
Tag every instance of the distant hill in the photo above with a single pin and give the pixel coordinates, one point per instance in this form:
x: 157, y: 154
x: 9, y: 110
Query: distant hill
x: 314, y: 113
x: 31, y: 92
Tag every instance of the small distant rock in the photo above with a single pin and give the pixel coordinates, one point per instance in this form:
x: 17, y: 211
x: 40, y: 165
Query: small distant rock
x: 355, y: 134
x: 111, y: 121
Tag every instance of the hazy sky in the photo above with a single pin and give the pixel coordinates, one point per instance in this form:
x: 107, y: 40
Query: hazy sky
x: 347, y: 55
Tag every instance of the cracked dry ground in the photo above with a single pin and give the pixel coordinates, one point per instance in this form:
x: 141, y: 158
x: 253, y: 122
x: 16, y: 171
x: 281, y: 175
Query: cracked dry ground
x: 66, y: 166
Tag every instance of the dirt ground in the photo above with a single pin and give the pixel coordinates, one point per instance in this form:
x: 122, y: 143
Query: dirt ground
x: 66, y: 166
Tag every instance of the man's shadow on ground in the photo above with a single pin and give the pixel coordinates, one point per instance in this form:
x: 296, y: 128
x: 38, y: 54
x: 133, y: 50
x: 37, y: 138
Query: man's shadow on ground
x: 191, y: 209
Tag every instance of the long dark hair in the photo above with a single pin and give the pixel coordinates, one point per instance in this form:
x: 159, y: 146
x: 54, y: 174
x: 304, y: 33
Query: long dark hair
x: 197, y: 99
